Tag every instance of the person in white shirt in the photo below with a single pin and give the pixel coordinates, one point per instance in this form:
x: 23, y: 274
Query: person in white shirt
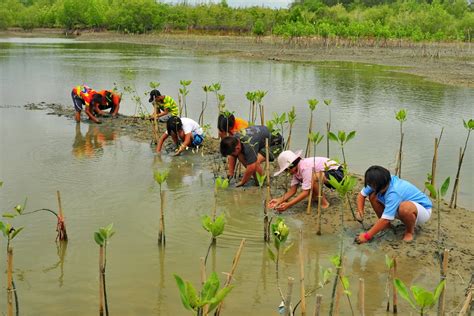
x: 182, y: 129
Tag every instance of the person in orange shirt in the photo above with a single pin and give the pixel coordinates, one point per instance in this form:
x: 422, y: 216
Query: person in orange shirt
x: 83, y: 95
x: 228, y: 124
x: 110, y: 100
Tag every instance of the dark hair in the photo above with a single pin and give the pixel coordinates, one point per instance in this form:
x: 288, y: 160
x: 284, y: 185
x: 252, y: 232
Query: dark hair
x: 377, y: 178
x: 97, y: 98
x: 174, y: 125
x: 228, y: 145
x: 153, y: 94
x: 225, y: 123
x: 294, y: 163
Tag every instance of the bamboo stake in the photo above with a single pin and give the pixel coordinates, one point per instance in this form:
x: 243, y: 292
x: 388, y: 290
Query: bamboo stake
x: 320, y: 190
x: 61, y: 226
x: 288, y: 297
x: 456, y: 182
x: 361, y: 297
x: 235, y: 261
x: 310, y: 197
x: 444, y: 271
x: 266, y: 228
x: 328, y: 129
x: 455, y: 191
x: 9, y: 281
x: 161, y: 234
x: 262, y: 115
x: 302, y: 289
x: 435, y: 158
x: 317, y: 308
x: 203, y: 271
x: 468, y: 300
x: 101, y: 281
x: 394, y: 290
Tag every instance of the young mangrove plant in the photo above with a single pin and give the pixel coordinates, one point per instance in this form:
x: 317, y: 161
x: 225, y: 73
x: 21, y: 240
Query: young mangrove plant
x: 280, y: 234
x: 206, y: 90
x: 401, y: 116
x: 160, y: 177
x: 342, y: 139
x: 391, y: 265
x: 328, y: 125
x: 216, y: 87
x: 265, y: 200
x: 278, y: 125
x: 183, y: 91
x: 205, y: 301
x: 140, y: 109
x: 469, y: 125
x: 215, y: 227
x: 102, y: 237
x: 432, y: 176
x: 259, y: 95
x: 312, y: 103
x: 315, y: 138
x: 421, y: 300
x: 291, y: 121
x: 438, y: 196
x: 337, y: 261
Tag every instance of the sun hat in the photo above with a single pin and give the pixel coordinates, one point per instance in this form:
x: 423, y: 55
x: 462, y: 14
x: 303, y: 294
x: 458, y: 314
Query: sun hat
x: 285, y: 159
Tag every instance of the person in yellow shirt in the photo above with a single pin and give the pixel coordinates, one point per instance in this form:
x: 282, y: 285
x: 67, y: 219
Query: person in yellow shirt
x: 165, y: 105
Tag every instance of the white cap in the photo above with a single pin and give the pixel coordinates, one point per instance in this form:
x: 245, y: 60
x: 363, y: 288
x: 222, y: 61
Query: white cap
x: 286, y: 158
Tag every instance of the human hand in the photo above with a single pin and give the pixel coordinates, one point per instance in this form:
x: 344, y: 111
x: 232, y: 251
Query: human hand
x: 359, y: 215
x: 98, y: 122
x: 273, y: 203
x: 362, y: 238
x: 282, y: 207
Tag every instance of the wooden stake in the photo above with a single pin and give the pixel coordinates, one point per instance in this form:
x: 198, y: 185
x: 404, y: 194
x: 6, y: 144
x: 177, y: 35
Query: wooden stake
x: 61, y: 226
x: 203, y: 271
x: 317, y: 308
x: 101, y: 281
x: 394, y: 289
x: 361, y: 297
x: 10, y: 281
x: 320, y: 190
x: 328, y: 129
x: 288, y: 311
x: 444, y: 271
x: 468, y: 300
x: 235, y: 261
x: 161, y: 234
x: 266, y: 228
x: 435, y: 158
x: 310, y: 197
x: 302, y: 289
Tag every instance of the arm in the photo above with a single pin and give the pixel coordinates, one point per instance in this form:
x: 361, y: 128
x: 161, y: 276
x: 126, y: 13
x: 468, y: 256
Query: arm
x: 303, y: 195
x: 186, y: 143
x: 276, y: 202
x: 360, y: 205
x: 99, y: 111
x: 249, y: 171
x: 91, y: 116
x: 231, y: 161
x: 163, y: 113
x: 161, y: 141
x: 379, y: 225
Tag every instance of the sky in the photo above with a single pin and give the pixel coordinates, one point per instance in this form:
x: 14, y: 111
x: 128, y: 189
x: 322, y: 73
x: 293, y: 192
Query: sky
x: 241, y: 3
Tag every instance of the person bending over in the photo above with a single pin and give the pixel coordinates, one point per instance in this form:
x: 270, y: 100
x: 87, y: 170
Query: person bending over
x: 182, y: 129
x: 110, y: 100
x: 392, y: 197
x: 302, y: 171
x: 82, y: 95
x: 165, y: 105
x: 228, y: 124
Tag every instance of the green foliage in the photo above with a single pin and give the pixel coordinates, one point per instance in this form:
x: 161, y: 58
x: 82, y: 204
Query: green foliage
x: 441, y: 191
x: 258, y: 28
x: 280, y: 232
x: 9, y: 231
x: 102, y: 236
x: 215, y: 227
x: 210, y: 294
x: 346, y: 185
x: 160, y: 176
x: 469, y: 125
x: 312, y: 104
x: 221, y: 183
x: 336, y: 261
x: 292, y: 116
x: 401, y: 115
x: 389, y: 262
x: 422, y: 299
x: 341, y: 137
x: 327, y: 102
x: 261, y: 179
x: 315, y: 138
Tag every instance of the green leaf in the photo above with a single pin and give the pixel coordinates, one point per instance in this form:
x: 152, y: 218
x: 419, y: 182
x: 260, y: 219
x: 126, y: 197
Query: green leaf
x: 260, y: 179
x: 327, y: 275
x: 333, y: 137
x: 327, y: 102
x: 288, y: 248
x: 8, y: 215
x: 334, y: 183
x: 16, y: 232
x: 3, y: 228
x: 401, y: 115
x: 218, y: 182
x: 312, y: 104
x: 210, y: 288
x: 218, y: 226
x: 431, y: 188
x: 182, y: 292
x: 1, y: 184
x: 99, y: 239
x: 271, y: 254
x: 403, y: 291
x: 336, y: 261
x: 192, y: 296
x: 206, y: 223
x: 388, y: 261
x: 439, y: 289
x: 445, y: 186
x: 342, y: 136
x: 219, y: 297
x: 345, y: 284
x: 225, y: 184
x: 351, y: 136
x: 422, y: 297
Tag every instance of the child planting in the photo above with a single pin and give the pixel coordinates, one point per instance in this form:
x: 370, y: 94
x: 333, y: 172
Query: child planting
x: 182, y: 129
x: 302, y: 171
x: 392, y: 197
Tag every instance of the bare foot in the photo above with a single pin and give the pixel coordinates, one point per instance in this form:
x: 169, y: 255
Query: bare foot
x: 325, y: 205
x: 408, y: 237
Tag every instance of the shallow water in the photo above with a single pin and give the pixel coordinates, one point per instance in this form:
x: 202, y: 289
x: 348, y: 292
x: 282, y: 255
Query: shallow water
x: 105, y: 177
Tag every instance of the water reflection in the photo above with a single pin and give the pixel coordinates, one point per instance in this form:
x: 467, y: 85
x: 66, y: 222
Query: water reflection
x: 92, y: 144
x: 61, y: 247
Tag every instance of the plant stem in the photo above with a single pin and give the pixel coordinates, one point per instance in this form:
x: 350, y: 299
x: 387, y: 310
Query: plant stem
x: 9, y: 281
x: 310, y: 196
x: 317, y: 308
x: 302, y: 289
x: 320, y: 188
x: 61, y: 226
x: 266, y: 224
x: 435, y: 158
x: 443, y: 273
x: 456, y: 182
x: 161, y: 234
x: 347, y: 295
x: 394, y: 290
x: 309, y: 132
x: 17, y: 304
x: 328, y: 130
x: 101, y: 281
x: 213, y: 242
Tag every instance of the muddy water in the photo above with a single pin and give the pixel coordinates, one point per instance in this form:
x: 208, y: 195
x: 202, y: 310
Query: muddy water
x: 106, y: 177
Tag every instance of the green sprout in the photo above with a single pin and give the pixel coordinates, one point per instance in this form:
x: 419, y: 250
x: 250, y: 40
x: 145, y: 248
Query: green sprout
x: 291, y: 121
x: 438, y: 195
x: 401, y: 116
x: 102, y: 237
x: 421, y: 300
x: 328, y: 125
x: 342, y: 139
x: 312, y: 103
x: 160, y: 177
x: 184, y: 92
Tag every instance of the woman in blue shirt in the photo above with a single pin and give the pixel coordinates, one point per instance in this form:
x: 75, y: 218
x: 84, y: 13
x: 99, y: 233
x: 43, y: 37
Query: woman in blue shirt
x: 392, y: 197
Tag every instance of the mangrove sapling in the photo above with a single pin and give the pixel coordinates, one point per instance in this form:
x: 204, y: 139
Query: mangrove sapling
x: 205, y: 301
x: 183, y: 91
x: 102, y: 237
x: 259, y: 95
x: 160, y: 178
x: 291, y: 121
x: 401, y: 116
x: 206, y: 90
x: 337, y: 261
x: 216, y: 87
x: 312, y: 103
x: 251, y: 96
x: 469, y: 125
x: 265, y: 200
x: 342, y: 139
x: 215, y: 227
x: 315, y: 138
x: 280, y: 234
x: 420, y: 299
x: 391, y: 264
x: 328, y: 125
x: 279, y: 121
x: 438, y: 195
x: 435, y: 158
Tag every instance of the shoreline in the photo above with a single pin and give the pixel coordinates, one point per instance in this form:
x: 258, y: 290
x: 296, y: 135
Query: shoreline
x: 444, y: 63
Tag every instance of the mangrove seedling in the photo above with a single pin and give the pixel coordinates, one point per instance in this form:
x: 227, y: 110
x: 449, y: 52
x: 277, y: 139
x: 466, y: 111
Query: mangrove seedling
x: 251, y: 97
x: 140, y: 109
x: 279, y: 121
x: 102, y: 238
x: 216, y: 87
x: 207, y: 299
x: 342, y: 139
x: 160, y: 178
x: 391, y: 265
x: 259, y: 95
x: 432, y: 176
x: 265, y: 199
x: 328, y: 125
x: 183, y: 91
x: 291, y: 121
x: 438, y: 195
x: 206, y: 90
x: 215, y: 227
x: 401, y: 116
x: 315, y: 138
x: 312, y: 103
x: 420, y: 299
x: 337, y: 261
x: 469, y: 125
x: 280, y: 234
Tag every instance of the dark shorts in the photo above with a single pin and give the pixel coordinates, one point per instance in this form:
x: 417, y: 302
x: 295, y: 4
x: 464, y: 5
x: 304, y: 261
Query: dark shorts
x: 78, y: 102
x: 276, y: 144
x: 337, y: 174
x: 197, y: 139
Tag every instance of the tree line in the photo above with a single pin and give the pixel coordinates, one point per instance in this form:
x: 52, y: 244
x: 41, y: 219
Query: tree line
x: 417, y: 20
